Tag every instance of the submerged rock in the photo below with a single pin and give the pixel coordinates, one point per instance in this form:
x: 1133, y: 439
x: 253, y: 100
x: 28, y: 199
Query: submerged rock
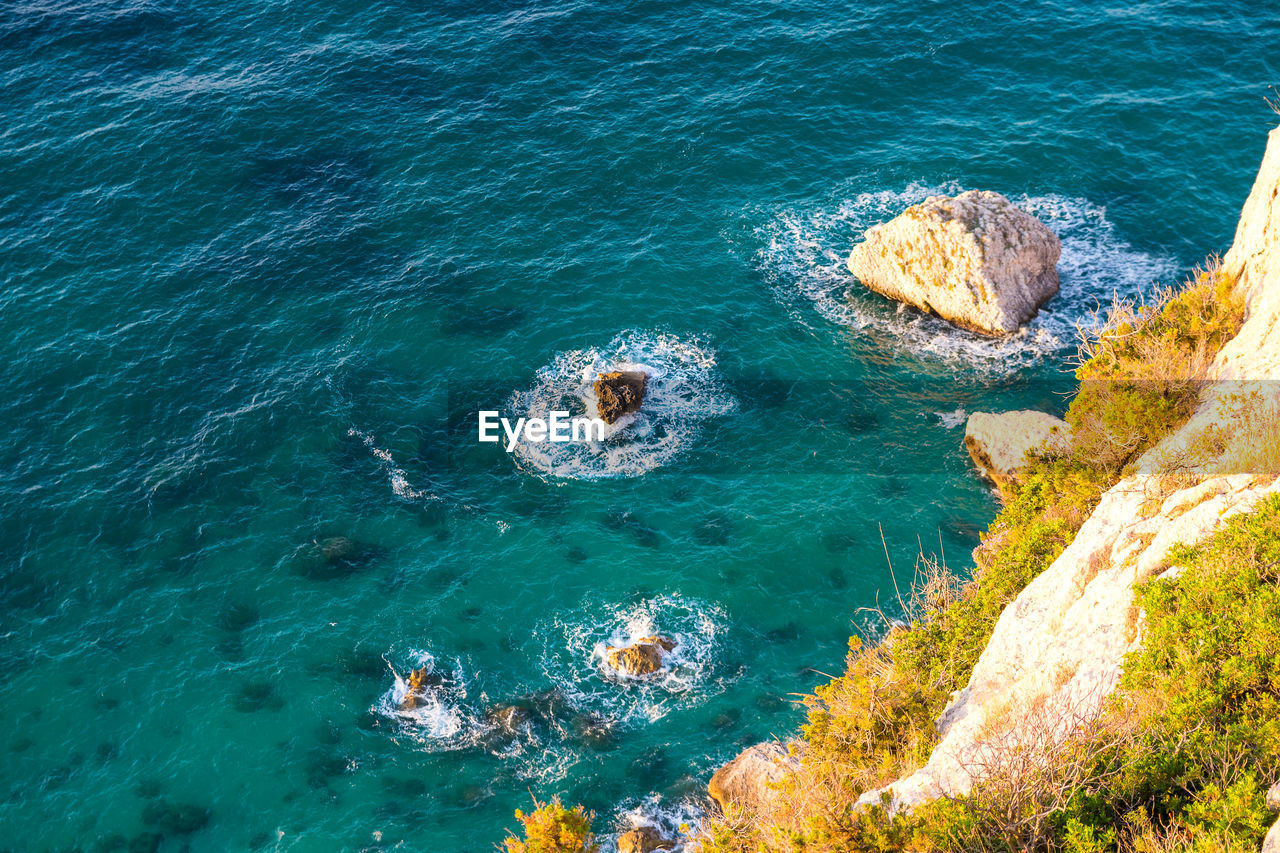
x: 974, y: 260
x: 619, y: 393
x: 747, y: 781
x: 644, y: 839
x: 506, y: 721
x: 595, y: 731
x: 999, y: 444
x: 642, y: 657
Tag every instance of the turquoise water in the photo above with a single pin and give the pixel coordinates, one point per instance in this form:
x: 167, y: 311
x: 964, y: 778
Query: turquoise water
x: 262, y: 263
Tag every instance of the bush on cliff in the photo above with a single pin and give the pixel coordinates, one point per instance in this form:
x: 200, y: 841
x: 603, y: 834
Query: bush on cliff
x: 552, y: 828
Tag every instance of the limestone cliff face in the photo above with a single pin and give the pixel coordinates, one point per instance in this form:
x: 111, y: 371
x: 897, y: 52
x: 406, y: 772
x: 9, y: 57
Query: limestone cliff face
x: 1057, y: 650
x: 1254, y: 259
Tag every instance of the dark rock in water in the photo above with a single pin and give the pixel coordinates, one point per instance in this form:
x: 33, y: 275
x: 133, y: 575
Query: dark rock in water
x: 235, y: 617
x: 686, y: 787
x: 769, y: 702
x: 338, y: 557
x: 727, y: 720
x: 650, y: 766
x: 715, y: 529
x: 548, y: 706
x: 625, y: 521
x: 360, y: 663
x: 644, y: 839
x: 175, y: 818
x: 506, y: 721
x: 595, y: 731
x: 784, y: 633
x: 620, y: 393
x: 257, y: 696
x: 473, y: 795
x: 642, y: 657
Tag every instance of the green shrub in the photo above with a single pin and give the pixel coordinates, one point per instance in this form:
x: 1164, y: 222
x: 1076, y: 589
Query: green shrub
x: 552, y: 828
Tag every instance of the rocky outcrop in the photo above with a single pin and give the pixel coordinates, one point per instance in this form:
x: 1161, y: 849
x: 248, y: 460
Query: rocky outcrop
x: 644, y: 839
x: 748, y: 781
x: 999, y: 444
x: 975, y: 260
x: 619, y: 393
x: 642, y: 657
x: 506, y: 721
x: 418, y: 684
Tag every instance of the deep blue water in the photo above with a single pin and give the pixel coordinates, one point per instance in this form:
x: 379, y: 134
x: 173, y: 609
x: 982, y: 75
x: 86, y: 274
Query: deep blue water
x: 263, y: 262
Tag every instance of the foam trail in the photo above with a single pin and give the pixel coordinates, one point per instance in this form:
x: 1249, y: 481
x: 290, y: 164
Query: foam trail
x: 399, y: 479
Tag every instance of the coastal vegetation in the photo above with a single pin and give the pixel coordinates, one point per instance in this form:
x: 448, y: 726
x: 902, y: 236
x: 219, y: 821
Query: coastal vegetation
x: 1176, y: 760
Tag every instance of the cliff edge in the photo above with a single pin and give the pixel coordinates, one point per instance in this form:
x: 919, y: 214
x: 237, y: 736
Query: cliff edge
x: 1057, y: 651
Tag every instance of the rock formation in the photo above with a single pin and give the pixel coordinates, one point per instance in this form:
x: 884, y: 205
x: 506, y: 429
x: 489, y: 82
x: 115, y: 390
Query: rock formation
x: 619, y: 393
x: 1271, y: 844
x: 417, y: 684
x: 748, y: 781
x: 644, y: 839
x: 642, y: 657
x: 1057, y: 649
x: 506, y: 721
x: 975, y: 260
x: 999, y: 443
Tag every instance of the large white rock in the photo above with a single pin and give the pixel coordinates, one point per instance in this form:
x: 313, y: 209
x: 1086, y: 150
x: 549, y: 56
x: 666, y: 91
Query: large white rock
x: 999, y: 443
x: 973, y: 259
x: 1254, y: 261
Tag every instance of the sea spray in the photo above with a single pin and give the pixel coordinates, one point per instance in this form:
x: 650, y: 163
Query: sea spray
x: 684, y: 391
x: 802, y: 255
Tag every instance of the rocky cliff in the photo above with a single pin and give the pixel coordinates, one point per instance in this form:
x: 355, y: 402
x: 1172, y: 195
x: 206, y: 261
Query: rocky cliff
x: 1057, y: 650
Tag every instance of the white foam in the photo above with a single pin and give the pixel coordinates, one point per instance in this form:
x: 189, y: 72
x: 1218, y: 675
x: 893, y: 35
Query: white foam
x: 440, y: 721
x: 682, y: 393
x: 674, y: 819
x: 802, y: 254
x: 574, y: 647
x: 951, y: 420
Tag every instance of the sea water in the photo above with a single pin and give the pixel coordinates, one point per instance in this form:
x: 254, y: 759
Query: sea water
x: 263, y: 263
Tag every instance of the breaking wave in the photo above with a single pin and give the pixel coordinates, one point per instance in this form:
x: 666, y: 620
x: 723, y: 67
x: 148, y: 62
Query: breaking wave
x: 574, y: 648
x: 803, y: 255
x: 683, y: 392
x: 440, y: 720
